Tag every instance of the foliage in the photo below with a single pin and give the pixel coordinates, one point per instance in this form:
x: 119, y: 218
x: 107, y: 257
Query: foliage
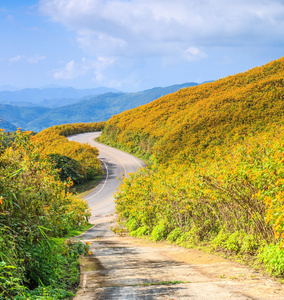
x: 45, y: 293
x: 73, y: 160
x: 159, y: 232
x: 10, y: 282
x: 174, y: 235
x: 273, y: 258
x: 67, y: 167
x: 7, y: 138
x: 216, y: 172
x: 35, y: 207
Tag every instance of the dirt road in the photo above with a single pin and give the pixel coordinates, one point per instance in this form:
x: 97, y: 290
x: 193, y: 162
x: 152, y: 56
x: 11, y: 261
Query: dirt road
x: 129, y: 268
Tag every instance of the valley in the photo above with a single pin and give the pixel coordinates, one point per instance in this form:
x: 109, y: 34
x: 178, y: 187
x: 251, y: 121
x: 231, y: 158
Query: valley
x: 46, y: 108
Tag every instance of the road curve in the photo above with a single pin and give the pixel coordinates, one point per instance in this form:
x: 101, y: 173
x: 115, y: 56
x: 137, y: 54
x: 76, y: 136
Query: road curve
x: 115, y: 163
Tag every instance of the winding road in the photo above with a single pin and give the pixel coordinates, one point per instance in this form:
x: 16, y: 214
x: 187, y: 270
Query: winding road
x: 129, y: 268
x: 115, y: 163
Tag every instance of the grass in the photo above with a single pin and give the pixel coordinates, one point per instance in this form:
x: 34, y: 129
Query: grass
x: 78, y: 231
x: 85, y: 188
x: 72, y: 233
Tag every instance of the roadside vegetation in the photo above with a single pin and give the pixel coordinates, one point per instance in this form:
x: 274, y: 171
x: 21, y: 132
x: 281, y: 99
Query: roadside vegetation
x: 39, y: 214
x: 216, y: 166
x: 73, y: 160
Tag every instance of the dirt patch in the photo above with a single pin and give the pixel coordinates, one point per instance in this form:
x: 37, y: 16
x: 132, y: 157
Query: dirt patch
x: 190, y: 256
x: 131, y: 268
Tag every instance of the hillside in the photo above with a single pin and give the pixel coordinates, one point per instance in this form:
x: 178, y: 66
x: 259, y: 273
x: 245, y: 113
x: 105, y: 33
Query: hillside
x: 194, y: 120
x: 216, y: 174
x: 89, y: 109
x: 7, y: 126
x: 21, y: 116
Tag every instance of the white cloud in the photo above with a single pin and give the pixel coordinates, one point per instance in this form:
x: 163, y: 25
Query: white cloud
x: 171, y: 32
x: 35, y: 59
x: 194, y: 54
x: 17, y: 58
x: 130, y: 25
x: 69, y: 71
x: 74, y: 69
x: 32, y: 60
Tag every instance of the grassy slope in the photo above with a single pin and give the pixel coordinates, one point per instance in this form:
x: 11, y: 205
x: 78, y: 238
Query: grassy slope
x: 219, y: 177
x: 195, y: 119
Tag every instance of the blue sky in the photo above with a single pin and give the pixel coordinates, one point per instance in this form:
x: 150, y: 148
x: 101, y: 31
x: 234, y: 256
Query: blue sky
x: 134, y: 45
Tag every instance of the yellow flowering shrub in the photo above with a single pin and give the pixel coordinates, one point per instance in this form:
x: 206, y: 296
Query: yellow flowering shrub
x: 53, y: 142
x: 218, y: 156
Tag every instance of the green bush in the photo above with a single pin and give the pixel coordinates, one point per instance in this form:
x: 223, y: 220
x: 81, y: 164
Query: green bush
x: 233, y: 242
x: 35, y: 207
x: 221, y: 239
x: 159, y: 232
x: 272, y: 257
x: 174, y: 235
x: 132, y: 224
x: 54, y: 264
x: 11, y: 281
x: 141, y: 231
x: 67, y: 168
x: 46, y: 293
x: 183, y: 238
x: 250, y: 244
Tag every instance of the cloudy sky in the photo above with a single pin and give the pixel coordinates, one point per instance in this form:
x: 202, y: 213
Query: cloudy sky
x: 134, y: 45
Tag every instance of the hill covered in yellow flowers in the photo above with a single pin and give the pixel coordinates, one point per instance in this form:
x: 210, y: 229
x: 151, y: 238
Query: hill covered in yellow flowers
x: 216, y: 175
x: 195, y: 120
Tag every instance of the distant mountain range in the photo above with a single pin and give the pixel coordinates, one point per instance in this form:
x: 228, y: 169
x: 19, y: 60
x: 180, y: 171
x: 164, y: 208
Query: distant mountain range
x: 7, y: 126
x: 34, y: 111
x: 49, y: 97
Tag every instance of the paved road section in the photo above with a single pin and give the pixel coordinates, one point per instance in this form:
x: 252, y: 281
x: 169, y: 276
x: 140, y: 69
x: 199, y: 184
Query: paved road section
x: 115, y: 163
x: 122, y: 268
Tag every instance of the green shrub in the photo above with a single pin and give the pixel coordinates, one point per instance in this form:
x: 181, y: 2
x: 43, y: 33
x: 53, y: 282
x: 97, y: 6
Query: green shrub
x: 233, y: 242
x: 250, y: 244
x: 67, y: 168
x: 46, y: 293
x: 174, y: 235
x: 272, y: 257
x: 54, y: 264
x: 159, y: 232
x: 132, y: 224
x: 141, y: 231
x: 183, y: 238
x: 221, y: 239
x: 35, y: 207
x: 11, y: 284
